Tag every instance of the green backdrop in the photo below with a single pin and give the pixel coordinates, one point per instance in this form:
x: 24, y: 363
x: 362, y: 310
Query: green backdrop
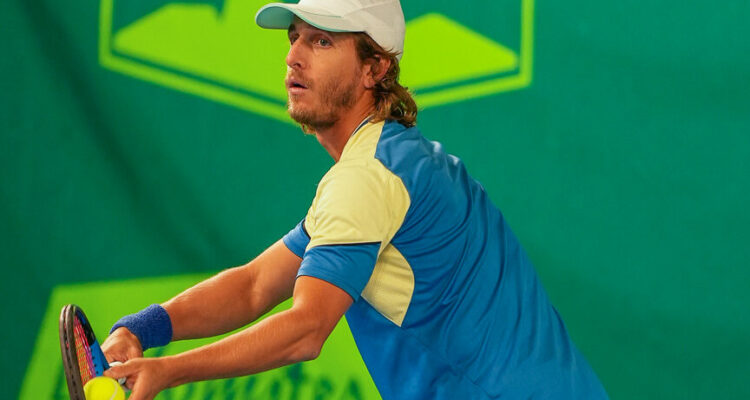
x: 144, y: 146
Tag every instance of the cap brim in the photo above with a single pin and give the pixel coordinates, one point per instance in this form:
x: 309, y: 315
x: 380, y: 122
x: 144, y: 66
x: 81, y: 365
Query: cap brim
x: 281, y: 15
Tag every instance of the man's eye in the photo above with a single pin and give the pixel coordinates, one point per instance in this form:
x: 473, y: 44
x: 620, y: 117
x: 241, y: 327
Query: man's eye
x: 324, y: 42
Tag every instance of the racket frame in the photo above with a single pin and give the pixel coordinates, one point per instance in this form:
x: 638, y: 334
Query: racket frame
x: 68, y: 349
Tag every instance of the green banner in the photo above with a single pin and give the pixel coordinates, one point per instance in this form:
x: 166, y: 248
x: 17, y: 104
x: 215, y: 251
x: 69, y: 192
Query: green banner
x: 145, y: 145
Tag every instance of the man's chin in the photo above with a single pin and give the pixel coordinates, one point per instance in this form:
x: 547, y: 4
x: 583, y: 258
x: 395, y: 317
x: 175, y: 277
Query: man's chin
x: 313, y: 119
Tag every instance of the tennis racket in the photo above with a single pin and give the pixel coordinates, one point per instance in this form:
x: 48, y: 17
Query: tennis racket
x: 82, y: 357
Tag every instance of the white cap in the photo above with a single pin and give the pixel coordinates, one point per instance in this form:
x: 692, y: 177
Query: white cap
x: 382, y: 20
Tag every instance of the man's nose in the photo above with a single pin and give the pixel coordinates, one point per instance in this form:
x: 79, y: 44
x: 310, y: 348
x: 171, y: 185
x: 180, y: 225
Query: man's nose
x: 296, y: 56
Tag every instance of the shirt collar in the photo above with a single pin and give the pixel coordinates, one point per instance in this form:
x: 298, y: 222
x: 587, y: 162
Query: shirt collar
x: 361, y: 124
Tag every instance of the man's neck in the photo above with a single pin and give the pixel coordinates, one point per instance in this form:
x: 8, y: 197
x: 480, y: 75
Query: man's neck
x: 334, y: 138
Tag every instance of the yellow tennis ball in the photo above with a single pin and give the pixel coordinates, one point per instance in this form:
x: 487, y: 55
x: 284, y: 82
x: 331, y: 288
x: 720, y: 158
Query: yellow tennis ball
x: 103, y: 388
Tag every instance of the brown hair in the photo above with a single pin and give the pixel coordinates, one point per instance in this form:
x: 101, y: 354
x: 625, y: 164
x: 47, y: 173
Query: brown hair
x: 392, y: 101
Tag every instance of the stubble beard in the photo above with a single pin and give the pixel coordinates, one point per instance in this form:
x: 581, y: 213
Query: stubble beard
x: 335, y: 97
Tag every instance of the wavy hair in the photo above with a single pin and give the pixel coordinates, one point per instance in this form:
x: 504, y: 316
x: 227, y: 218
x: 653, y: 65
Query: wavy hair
x: 392, y: 101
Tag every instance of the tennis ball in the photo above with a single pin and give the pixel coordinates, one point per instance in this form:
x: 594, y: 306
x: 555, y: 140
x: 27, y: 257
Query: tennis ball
x: 103, y: 388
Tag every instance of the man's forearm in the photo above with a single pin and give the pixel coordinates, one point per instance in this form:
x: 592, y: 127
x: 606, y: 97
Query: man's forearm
x: 282, y: 339
x: 214, y: 306
x: 285, y: 338
x: 234, y: 297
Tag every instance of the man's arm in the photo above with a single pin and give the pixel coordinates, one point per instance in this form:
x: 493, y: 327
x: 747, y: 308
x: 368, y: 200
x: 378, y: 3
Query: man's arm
x: 234, y: 297
x: 229, y: 300
x: 288, y: 337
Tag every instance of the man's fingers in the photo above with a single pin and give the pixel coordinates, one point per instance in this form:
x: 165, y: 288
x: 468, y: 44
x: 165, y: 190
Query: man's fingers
x: 119, y: 370
x: 143, y: 377
x: 121, y: 381
x: 113, y: 372
x: 122, y: 374
x: 122, y: 345
x: 119, y: 353
x: 123, y: 355
x: 113, y: 357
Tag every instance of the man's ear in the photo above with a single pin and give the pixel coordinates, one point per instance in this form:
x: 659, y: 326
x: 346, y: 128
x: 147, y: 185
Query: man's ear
x: 375, y: 70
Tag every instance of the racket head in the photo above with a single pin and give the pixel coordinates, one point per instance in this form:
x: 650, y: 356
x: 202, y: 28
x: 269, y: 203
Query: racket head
x: 82, y: 357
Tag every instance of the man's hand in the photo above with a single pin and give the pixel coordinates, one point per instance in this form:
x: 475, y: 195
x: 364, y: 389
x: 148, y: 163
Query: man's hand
x: 122, y: 346
x: 146, y: 377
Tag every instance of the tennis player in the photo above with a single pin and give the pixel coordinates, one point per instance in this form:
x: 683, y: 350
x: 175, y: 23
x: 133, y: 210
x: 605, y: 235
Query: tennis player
x: 441, y: 299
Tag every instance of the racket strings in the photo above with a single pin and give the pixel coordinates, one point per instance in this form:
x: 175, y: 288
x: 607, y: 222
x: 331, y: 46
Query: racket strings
x: 83, y: 352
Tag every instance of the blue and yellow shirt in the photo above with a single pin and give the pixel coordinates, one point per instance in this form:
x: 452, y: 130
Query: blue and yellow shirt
x: 446, y: 303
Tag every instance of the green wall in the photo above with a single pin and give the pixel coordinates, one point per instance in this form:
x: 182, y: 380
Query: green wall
x: 614, y: 136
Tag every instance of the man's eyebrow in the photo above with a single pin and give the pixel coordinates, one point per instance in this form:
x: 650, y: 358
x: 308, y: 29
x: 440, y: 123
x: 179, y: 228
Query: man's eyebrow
x: 291, y: 29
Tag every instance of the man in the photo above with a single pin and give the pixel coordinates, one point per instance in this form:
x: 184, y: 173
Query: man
x: 442, y: 301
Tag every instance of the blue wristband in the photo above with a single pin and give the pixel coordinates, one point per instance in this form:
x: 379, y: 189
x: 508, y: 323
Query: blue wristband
x: 151, y: 326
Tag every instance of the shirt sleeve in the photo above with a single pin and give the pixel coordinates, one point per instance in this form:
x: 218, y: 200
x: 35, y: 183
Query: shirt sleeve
x: 356, y: 212
x: 297, y: 239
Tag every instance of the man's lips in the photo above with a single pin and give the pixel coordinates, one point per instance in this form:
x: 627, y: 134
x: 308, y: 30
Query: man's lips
x: 295, y: 85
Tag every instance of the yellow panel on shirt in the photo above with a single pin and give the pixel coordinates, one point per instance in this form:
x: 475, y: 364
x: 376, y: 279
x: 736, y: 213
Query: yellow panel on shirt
x: 358, y: 208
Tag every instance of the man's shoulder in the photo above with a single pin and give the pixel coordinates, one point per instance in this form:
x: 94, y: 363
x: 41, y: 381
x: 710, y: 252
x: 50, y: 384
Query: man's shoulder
x: 395, y: 130
x: 397, y: 142
x: 373, y: 144
x: 380, y: 153
x: 405, y: 151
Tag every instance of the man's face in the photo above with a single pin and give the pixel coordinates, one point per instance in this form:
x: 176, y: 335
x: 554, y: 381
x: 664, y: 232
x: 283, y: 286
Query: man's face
x: 324, y: 75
